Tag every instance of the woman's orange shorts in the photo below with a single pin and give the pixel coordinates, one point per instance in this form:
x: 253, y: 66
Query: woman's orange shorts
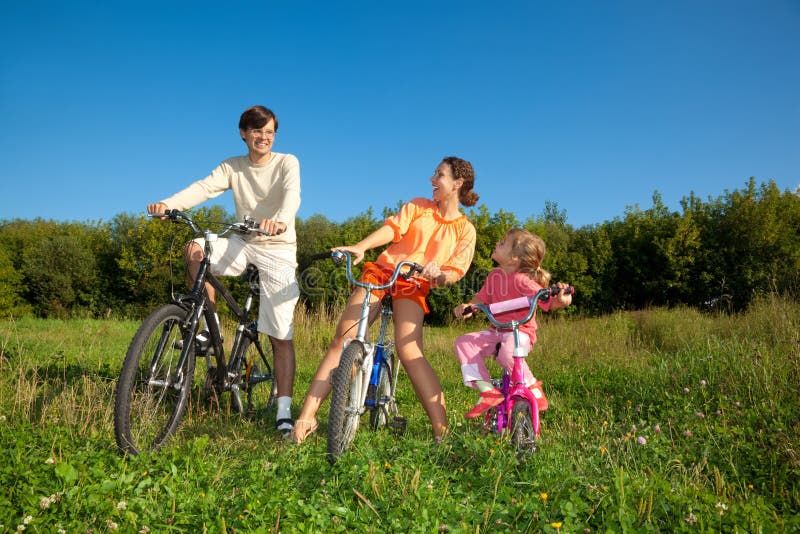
x: 415, y: 289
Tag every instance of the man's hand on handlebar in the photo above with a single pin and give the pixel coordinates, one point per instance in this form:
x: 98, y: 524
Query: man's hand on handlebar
x: 157, y: 207
x: 272, y: 227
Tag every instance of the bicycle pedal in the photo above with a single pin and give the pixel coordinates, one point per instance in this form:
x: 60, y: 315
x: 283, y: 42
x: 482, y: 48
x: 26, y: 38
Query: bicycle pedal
x: 398, y: 424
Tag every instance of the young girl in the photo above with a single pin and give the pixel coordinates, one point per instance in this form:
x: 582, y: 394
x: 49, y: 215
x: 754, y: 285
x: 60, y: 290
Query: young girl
x: 519, y: 257
x: 434, y: 233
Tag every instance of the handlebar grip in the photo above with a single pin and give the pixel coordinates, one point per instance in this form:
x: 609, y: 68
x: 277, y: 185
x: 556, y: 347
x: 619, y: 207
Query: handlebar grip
x: 468, y: 310
x: 413, y: 270
x: 569, y: 290
x: 321, y: 256
x: 508, y: 305
x: 169, y: 214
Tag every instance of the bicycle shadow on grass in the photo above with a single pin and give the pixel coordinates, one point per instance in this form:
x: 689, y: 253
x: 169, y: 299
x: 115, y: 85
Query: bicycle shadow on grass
x: 44, y: 385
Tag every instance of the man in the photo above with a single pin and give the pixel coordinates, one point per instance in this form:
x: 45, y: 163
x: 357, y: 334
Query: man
x: 265, y: 186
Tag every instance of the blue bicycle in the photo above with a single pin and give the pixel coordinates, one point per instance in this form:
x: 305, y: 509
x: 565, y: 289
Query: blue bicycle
x: 366, y: 378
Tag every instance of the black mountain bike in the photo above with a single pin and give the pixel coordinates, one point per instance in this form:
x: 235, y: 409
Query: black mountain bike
x: 157, y: 375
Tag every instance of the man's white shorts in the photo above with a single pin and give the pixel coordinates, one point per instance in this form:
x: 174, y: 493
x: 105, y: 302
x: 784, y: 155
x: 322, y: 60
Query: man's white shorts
x: 276, y: 271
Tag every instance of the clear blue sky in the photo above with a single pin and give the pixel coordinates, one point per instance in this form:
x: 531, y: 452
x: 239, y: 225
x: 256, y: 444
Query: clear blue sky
x: 106, y: 106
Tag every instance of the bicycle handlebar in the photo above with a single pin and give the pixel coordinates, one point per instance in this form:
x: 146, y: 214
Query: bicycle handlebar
x: 248, y: 226
x: 339, y: 256
x: 518, y: 303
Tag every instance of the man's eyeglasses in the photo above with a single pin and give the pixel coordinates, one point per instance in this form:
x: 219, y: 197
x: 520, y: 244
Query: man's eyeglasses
x: 261, y: 133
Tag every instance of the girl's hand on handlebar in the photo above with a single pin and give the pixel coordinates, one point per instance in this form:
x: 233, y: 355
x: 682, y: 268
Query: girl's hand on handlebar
x: 458, y: 311
x: 563, y: 299
x: 356, y: 254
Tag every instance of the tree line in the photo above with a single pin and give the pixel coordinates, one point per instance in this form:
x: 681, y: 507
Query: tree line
x: 722, y: 250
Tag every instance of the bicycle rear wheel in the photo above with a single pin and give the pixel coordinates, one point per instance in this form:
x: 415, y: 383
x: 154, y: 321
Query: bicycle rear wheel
x: 256, y: 378
x: 346, y: 399
x: 524, y: 425
x: 152, y: 392
x: 385, y: 410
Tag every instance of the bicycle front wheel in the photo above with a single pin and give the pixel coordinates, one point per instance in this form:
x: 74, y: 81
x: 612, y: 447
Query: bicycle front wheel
x: 152, y: 390
x: 524, y: 425
x: 346, y: 399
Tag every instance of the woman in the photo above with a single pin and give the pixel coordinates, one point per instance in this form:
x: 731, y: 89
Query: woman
x: 433, y: 233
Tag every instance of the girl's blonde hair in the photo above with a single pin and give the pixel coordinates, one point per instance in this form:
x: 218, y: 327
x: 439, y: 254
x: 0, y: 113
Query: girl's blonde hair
x: 530, y: 250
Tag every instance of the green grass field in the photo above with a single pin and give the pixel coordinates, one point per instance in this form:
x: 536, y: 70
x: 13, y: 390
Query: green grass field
x: 660, y: 421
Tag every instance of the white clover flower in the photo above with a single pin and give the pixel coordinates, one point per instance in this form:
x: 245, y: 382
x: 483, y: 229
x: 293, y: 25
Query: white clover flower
x: 27, y: 520
x: 642, y: 440
x: 50, y: 461
x: 122, y: 505
x: 111, y: 525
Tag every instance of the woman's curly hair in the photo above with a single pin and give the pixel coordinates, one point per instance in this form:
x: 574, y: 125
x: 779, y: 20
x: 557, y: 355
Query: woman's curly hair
x: 463, y: 169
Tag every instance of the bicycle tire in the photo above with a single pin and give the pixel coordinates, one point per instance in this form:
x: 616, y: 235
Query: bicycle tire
x: 345, y: 410
x: 523, y: 431
x: 256, y: 379
x: 385, y: 409
x: 148, y: 404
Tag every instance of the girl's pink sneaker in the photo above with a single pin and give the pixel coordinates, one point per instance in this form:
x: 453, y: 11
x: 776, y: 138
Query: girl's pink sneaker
x: 538, y: 394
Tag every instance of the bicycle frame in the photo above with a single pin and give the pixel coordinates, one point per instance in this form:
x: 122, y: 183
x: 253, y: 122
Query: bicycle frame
x: 378, y: 353
x: 366, y: 376
x: 157, y: 374
x: 374, y: 353
x: 197, y: 299
x: 512, y: 385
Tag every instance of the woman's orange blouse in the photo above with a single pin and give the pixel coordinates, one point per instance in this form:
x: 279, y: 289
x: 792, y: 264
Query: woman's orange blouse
x: 421, y: 235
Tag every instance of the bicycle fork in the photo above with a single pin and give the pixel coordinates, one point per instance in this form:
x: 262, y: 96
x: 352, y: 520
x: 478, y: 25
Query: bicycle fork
x: 512, y: 386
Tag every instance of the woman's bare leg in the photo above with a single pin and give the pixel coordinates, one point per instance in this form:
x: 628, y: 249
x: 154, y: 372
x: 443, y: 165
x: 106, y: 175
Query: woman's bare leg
x: 408, y: 317
x: 321, y: 382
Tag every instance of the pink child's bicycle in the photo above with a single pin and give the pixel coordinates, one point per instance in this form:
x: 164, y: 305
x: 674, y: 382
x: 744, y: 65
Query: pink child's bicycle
x: 519, y: 411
